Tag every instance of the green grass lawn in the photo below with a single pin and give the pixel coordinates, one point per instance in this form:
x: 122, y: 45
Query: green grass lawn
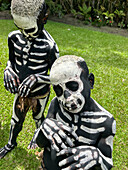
x: 106, y: 56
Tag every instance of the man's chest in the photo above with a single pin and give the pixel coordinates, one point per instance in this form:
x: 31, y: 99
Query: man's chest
x: 88, y: 128
x: 31, y: 52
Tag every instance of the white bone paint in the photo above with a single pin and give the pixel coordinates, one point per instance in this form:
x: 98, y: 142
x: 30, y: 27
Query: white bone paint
x: 69, y: 72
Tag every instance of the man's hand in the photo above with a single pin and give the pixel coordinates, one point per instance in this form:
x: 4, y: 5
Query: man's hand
x: 57, y: 134
x: 26, y: 86
x: 82, y: 157
x: 11, y: 80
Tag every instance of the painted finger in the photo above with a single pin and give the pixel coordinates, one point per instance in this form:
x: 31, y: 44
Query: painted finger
x: 74, y: 135
x: 69, y: 130
x: 49, y: 135
x: 66, y: 161
x: 11, y: 86
x: 73, y: 166
x: 31, y: 84
x: 21, y: 90
x: 15, y: 85
x: 7, y: 82
x: 48, y: 129
x: 5, y: 79
x: 27, y: 92
x: 90, y: 164
x: 53, y: 144
x: 67, y: 151
x: 52, y: 124
x: 6, y: 85
x: 59, y: 141
x: 69, y: 141
x: 55, y: 147
x: 17, y: 81
x: 20, y: 86
x: 30, y: 81
x: 66, y: 138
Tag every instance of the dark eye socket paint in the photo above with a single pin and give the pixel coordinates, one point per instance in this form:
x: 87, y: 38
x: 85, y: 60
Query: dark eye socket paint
x: 26, y: 30
x: 72, y: 85
x: 29, y: 30
x: 58, y: 90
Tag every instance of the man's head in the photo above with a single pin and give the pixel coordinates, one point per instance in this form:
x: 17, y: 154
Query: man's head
x: 28, y: 16
x: 71, y: 82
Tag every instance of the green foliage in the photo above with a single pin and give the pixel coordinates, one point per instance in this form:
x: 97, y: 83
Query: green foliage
x: 73, y: 11
x: 106, y: 56
x: 55, y: 9
x: 108, y: 15
x: 83, y: 14
x: 67, y: 5
x: 50, y: 4
x: 4, y: 6
x: 98, y: 12
x: 120, y: 13
x: 58, y: 11
x: 121, y: 24
x: 109, y: 18
x: 120, y: 18
x: 81, y: 6
x: 62, y: 7
x: 98, y: 22
x: 85, y: 11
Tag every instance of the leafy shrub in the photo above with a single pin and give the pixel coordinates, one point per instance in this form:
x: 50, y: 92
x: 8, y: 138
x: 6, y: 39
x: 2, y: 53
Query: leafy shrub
x: 4, y: 6
x: 85, y: 11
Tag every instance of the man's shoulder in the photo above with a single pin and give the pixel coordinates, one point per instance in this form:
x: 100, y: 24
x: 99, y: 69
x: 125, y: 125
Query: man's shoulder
x: 14, y: 33
x: 98, y: 109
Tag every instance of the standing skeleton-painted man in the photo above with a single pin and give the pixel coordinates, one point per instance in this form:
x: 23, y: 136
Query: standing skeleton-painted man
x: 32, y: 52
x: 78, y: 132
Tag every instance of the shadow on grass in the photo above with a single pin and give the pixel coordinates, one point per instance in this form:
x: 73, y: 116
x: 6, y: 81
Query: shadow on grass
x: 18, y: 158
x: 4, y: 134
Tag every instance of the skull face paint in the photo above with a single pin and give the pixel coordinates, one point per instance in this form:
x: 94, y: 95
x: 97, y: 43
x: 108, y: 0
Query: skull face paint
x: 28, y: 16
x: 68, y: 85
x: 69, y: 95
x: 28, y: 26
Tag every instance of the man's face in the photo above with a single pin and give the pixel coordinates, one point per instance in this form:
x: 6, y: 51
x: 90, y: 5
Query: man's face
x: 73, y: 94
x: 71, y: 86
x: 70, y: 95
x: 28, y: 26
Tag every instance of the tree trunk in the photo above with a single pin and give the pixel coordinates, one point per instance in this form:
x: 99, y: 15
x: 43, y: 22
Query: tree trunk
x: 98, y: 3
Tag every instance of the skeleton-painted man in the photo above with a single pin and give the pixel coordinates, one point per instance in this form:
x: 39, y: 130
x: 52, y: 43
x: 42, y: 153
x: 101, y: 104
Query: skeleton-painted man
x: 80, y: 132
x: 32, y: 52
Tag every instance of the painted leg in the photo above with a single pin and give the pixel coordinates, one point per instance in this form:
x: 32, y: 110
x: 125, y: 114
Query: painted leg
x: 16, y: 126
x: 38, y: 116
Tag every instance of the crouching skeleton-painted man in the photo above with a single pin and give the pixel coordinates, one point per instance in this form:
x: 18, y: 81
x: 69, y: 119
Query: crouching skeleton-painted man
x: 32, y: 52
x: 77, y: 133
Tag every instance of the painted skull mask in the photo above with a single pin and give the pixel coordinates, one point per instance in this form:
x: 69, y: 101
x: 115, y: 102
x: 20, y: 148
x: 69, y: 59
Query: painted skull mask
x: 27, y: 15
x: 65, y: 76
x: 28, y: 26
